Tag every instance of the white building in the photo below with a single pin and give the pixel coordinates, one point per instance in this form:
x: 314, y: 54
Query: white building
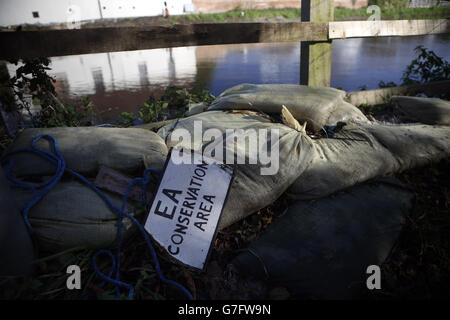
x: 16, y: 12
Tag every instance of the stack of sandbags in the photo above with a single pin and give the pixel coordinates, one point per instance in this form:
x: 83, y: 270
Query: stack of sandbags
x: 256, y: 185
x: 72, y: 214
x: 361, y: 152
x: 319, y: 106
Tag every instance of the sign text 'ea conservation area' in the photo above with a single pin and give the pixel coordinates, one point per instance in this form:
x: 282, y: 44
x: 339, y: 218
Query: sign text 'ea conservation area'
x: 187, y: 208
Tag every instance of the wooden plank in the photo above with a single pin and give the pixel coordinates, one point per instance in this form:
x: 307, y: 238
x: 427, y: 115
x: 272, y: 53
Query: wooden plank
x: 379, y: 96
x: 48, y: 43
x: 359, y: 29
x: 315, y: 63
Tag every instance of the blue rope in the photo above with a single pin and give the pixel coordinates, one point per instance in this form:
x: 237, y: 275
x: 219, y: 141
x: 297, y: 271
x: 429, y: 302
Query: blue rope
x: 40, y: 190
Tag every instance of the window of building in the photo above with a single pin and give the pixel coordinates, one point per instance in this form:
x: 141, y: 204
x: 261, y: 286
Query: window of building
x: 35, y: 14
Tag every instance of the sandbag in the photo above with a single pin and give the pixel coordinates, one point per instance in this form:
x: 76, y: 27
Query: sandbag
x: 85, y: 149
x: 154, y: 126
x: 16, y: 248
x: 365, y: 151
x: 425, y: 110
x: 413, y: 145
x: 319, y: 106
x: 195, y: 108
x: 250, y: 190
x: 321, y: 249
x: 72, y: 215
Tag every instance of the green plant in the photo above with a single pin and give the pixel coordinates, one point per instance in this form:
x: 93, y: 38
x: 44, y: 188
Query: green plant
x: 127, y: 119
x: 152, y: 110
x: 61, y: 115
x: 427, y: 67
x: 173, y: 103
x: 31, y: 78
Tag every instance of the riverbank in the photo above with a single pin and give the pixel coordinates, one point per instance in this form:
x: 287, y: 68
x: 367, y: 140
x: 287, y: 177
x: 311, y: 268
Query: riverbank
x: 263, y: 15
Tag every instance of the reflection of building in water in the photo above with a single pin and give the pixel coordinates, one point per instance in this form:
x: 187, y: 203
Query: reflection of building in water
x: 90, y: 74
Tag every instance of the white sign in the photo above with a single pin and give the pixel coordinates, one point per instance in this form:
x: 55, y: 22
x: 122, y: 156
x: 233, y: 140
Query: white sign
x: 187, y: 208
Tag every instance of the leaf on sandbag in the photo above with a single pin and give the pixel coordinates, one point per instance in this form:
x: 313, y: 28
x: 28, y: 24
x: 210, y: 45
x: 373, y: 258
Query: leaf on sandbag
x: 290, y: 121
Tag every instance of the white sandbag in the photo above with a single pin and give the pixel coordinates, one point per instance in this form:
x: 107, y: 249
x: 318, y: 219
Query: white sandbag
x: 195, y: 108
x: 85, y: 149
x: 318, y: 106
x: 250, y: 190
x: 425, y: 110
x: 72, y: 215
x: 413, y: 145
x: 366, y: 151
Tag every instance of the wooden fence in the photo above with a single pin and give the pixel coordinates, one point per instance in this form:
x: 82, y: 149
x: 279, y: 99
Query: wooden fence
x: 316, y: 30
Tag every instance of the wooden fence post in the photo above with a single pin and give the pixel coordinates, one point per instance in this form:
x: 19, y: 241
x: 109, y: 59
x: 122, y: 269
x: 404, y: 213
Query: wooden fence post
x: 315, y: 63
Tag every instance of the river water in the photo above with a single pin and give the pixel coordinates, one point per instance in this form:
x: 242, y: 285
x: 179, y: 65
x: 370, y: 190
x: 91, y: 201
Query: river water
x: 122, y: 81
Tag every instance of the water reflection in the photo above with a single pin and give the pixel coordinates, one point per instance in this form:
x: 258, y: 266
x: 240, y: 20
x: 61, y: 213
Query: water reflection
x: 358, y: 62
x: 122, y: 81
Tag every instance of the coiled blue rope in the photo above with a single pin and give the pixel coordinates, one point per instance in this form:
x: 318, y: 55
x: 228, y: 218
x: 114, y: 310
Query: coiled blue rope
x: 40, y: 190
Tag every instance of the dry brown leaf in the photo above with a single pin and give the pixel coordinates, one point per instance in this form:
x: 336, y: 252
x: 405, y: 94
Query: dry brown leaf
x: 290, y: 121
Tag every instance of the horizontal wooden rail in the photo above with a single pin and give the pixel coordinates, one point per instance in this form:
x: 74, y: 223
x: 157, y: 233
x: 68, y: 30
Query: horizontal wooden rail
x: 360, y: 29
x: 48, y: 43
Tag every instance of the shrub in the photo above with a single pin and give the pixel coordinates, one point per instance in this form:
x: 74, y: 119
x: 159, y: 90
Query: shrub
x: 427, y: 67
